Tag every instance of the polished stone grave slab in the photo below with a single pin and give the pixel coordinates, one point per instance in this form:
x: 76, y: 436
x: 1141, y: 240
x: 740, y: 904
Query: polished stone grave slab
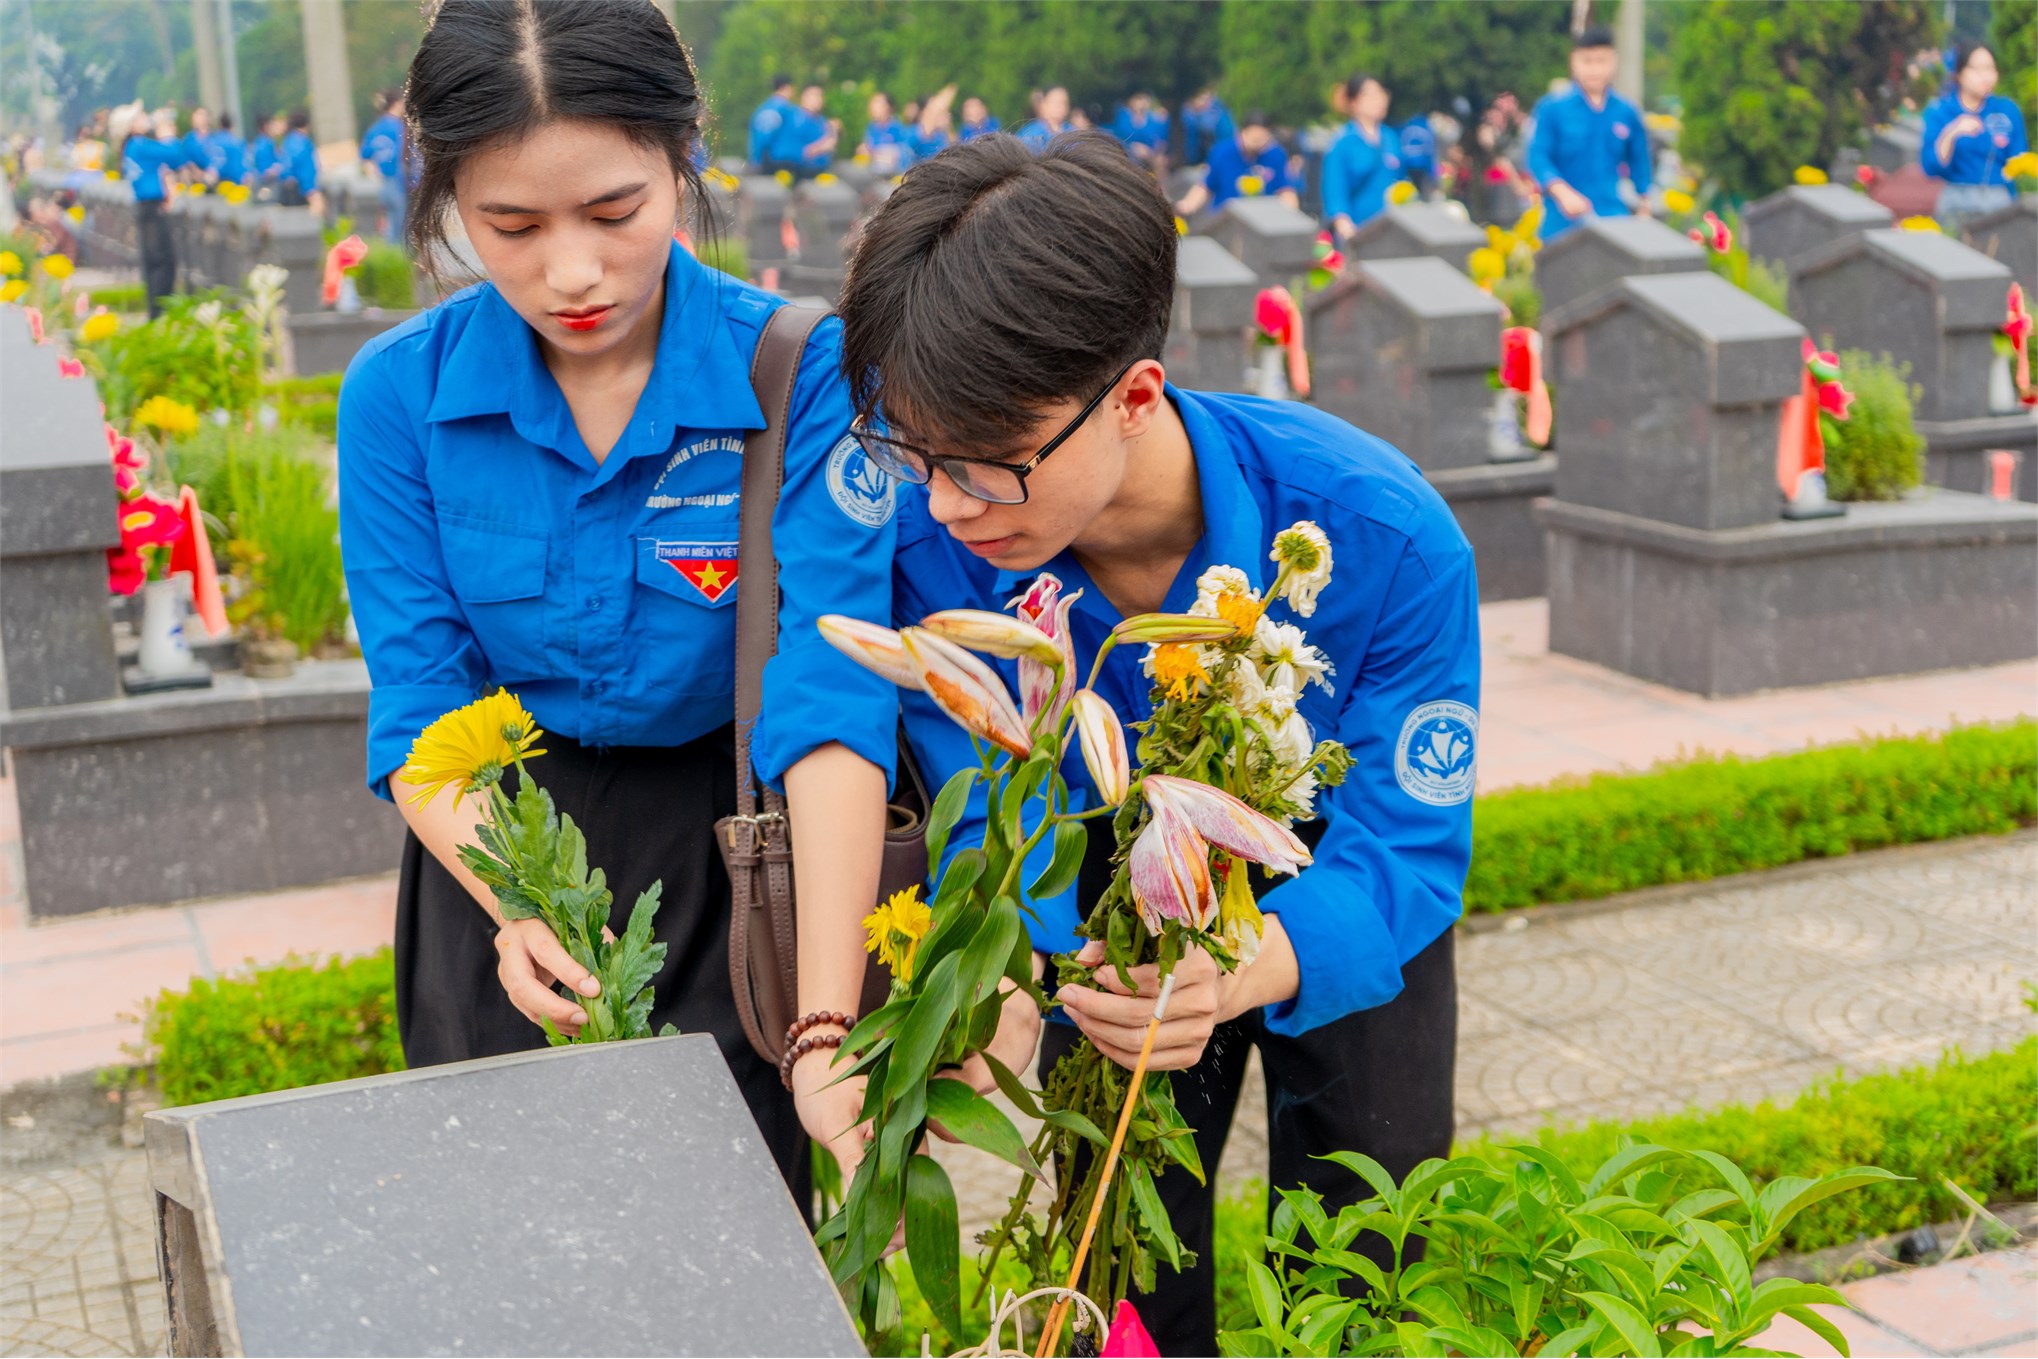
x: 1412, y: 229
x: 1805, y: 217
x: 1603, y: 250
x: 1214, y: 297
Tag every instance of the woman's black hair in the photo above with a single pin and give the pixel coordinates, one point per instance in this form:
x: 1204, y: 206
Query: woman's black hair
x: 1359, y: 80
x: 1964, y: 51
x: 299, y: 120
x: 489, y: 72
x: 996, y: 283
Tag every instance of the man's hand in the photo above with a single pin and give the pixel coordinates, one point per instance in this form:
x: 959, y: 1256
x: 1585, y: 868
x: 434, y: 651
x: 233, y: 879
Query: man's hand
x: 1573, y: 203
x: 529, y: 959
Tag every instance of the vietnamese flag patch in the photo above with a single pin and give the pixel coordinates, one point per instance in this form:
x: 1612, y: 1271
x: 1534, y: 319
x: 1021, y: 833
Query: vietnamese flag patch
x: 713, y: 577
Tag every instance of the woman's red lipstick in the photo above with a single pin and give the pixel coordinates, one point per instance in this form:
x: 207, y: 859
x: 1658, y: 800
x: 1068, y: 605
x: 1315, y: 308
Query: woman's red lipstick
x: 586, y: 318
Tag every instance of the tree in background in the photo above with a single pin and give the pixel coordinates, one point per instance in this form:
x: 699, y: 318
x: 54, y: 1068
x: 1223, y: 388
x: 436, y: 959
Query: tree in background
x: 2013, y: 39
x: 1769, y: 85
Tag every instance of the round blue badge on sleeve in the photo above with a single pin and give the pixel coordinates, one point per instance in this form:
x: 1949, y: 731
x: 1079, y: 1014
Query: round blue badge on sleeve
x: 1434, y: 759
x: 862, y: 489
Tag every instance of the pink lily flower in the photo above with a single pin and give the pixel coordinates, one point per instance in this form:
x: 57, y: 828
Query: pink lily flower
x: 1170, y: 863
x: 1043, y: 688
x: 969, y: 691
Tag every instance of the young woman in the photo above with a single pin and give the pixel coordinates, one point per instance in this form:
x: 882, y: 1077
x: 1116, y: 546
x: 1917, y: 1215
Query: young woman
x: 540, y: 490
x: 1970, y: 132
x: 1363, y: 162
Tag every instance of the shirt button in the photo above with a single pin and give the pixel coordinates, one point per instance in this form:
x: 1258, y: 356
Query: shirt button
x: 594, y: 687
x: 594, y: 602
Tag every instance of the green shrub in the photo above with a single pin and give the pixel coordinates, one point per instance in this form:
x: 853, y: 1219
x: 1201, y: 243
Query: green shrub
x: 206, y: 461
x: 1718, y: 815
x: 385, y: 279
x: 1965, y: 1119
x: 286, y: 546
x: 200, y: 351
x: 121, y: 297
x: 1519, y: 294
x: 726, y: 251
x: 1875, y: 453
x: 274, y: 1028
x: 309, y: 403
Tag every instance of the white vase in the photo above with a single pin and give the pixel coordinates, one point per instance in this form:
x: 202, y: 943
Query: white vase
x: 2002, y: 388
x: 350, y: 296
x: 1272, y: 379
x: 164, y: 651
x: 1503, y: 439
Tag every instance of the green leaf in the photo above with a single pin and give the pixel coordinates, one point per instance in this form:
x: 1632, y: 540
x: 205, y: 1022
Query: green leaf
x: 934, y: 1241
x: 984, y: 957
x: 1567, y: 1344
x: 1703, y: 1203
x: 1779, y: 1207
x: 1437, y: 1307
x: 1153, y: 1213
x: 1070, y: 842
x: 1326, y: 1328
x: 1731, y: 1173
x: 962, y: 874
x: 971, y: 1118
x: 1559, y: 1173
x: 921, y: 1031
x: 1012, y: 1087
x: 1634, y: 1328
x: 1728, y: 1257
x: 1265, y: 1292
x: 947, y: 810
x: 1371, y: 1171
x: 1626, y: 1162
x: 1820, y: 1326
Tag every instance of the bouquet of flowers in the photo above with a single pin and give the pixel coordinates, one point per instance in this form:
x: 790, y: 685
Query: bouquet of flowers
x: 535, y: 861
x: 1226, y: 765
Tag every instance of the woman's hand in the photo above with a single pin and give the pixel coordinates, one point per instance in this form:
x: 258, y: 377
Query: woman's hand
x: 529, y: 959
x: 830, y: 1111
x: 1115, y: 1019
x: 1014, y: 1045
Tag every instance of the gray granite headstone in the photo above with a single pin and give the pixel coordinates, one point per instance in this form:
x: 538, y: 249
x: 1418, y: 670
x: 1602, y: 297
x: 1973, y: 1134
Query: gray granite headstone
x: 824, y: 211
x: 1670, y: 396
x: 1923, y: 298
x: 1274, y: 240
x: 58, y: 515
x: 327, y: 341
x: 2010, y: 235
x: 1417, y: 229
x: 765, y: 203
x: 1896, y: 147
x: 1807, y: 217
x: 613, y: 1199
x: 1214, y: 298
x: 293, y: 238
x: 1601, y: 250
x: 1402, y: 349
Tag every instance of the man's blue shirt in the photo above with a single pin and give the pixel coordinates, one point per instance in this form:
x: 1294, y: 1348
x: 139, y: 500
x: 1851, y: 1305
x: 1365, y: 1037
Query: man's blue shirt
x: 1228, y: 166
x: 972, y: 131
x: 1418, y: 146
x: 1037, y: 134
x: 1976, y: 159
x: 1149, y: 129
x: 1587, y: 147
x: 300, y: 161
x: 265, y: 158
x: 1357, y: 172
x: 1204, y: 129
x: 1399, y: 621
x: 765, y: 124
x: 382, y: 147
x: 143, y: 160
x: 228, y: 156
x: 486, y: 546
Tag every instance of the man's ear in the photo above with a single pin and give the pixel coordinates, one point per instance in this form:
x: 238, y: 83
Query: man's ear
x: 1140, y: 394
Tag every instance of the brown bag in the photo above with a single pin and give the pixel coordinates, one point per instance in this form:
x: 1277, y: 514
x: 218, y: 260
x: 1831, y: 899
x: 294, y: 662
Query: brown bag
x: 756, y: 843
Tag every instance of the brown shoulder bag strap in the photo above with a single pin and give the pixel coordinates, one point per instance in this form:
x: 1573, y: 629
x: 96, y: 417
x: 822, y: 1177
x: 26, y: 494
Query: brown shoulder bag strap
x: 763, y: 962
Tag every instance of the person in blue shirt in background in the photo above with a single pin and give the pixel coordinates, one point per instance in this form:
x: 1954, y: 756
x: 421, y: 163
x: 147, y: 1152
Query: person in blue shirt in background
x: 229, y: 153
x: 199, y: 148
x: 151, y: 149
x: 1037, y: 432
x: 541, y: 492
x: 1363, y: 162
x: 297, y: 165
x: 805, y: 143
x: 1970, y: 131
x: 976, y: 119
x: 886, y: 141
x: 769, y: 117
x: 1584, y: 138
x: 1143, y: 128
x: 1418, y: 153
x: 934, y: 131
x: 1248, y: 163
x: 385, y: 146
x: 265, y: 156
x: 1206, y: 123
x: 1050, y: 120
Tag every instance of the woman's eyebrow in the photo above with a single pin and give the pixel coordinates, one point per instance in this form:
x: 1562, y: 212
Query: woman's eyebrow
x: 511, y: 210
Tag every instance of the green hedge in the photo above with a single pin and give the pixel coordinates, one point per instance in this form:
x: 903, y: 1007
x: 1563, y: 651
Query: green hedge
x: 1718, y: 815
x: 274, y: 1028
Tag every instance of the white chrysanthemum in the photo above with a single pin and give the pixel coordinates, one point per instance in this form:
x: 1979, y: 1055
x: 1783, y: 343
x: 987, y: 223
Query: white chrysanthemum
x: 1288, y: 659
x: 1294, y: 743
x: 1302, y: 552
x: 1302, y: 793
x: 1218, y: 580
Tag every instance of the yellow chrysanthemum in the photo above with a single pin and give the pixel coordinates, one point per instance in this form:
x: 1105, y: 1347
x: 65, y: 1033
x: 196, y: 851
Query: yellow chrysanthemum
x: 1920, y: 223
x: 99, y: 326
x: 1400, y: 191
x: 1487, y: 265
x: 784, y: 177
x: 1181, y: 226
x: 2023, y: 165
x: 168, y: 415
x: 10, y: 263
x: 1677, y: 200
x: 1251, y: 186
x: 1808, y: 174
x: 471, y: 746
x: 12, y: 290
x: 57, y: 266
x: 1177, y: 669
x: 76, y: 212
x: 1241, y: 611
x: 895, y: 930
x: 234, y: 193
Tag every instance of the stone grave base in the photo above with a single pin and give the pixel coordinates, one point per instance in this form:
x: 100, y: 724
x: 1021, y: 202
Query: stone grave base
x: 1932, y: 583
x: 1956, y: 451
x: 1495, y: 506
x: 249, y: 786
x: 326, y: 341
x: 813, y: 280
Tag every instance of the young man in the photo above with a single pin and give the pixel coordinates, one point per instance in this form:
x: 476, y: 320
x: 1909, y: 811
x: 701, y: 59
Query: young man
x: 769, y: 117
x: 1050, y: 119
x: 1584, y: 137
x: 1015, y: 376
x: 1249, y: 163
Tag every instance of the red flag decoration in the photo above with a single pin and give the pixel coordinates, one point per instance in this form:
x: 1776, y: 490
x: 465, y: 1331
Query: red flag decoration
x: 1280, y: 320
x: 2018, y: 328
x: 1800, y: 447
x: 192, y: 551
x: 339, y: 259
x: 1716, y: 235
x: 1128, y: 1338
x: 710, y: 568
x: 1521, y: 370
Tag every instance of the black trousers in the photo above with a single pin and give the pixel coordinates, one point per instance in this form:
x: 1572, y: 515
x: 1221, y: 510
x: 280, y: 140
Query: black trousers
x: 648, y: 814
x: 1378, y: 1082
x: 158, y: 251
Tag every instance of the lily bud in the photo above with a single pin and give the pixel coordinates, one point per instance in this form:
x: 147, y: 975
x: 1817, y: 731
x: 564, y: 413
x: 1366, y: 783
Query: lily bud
x: 1103, y: 740
x: 970, y: 692
x: 994, y: 634
x: 877, y: 649
x: 1174, y: 627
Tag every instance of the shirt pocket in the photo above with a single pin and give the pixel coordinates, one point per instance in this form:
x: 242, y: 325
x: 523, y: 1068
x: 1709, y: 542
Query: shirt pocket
x: 685, y: 612
x: 497, y: 571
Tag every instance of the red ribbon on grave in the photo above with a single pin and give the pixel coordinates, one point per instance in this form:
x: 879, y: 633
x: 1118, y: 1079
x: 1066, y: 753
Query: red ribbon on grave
x: 1521, y: 370
x: 1280, y: 320
x: 192, y: 551
x: 342, y: 257
x: 1128, y: 1338
x: 1716, y: 235
x: 1800, y: 446
x: 2018, y: 328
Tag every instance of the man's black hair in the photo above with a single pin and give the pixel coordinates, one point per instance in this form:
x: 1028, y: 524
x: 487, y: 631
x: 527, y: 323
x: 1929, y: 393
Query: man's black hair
x: 1598, y: 35
x: 780, y: 82
x: 996, y: 283
x: 1254, y: 118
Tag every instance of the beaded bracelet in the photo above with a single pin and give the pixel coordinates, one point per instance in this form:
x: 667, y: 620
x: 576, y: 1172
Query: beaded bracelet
x: 798, y: 1046
x: 814, y: 1021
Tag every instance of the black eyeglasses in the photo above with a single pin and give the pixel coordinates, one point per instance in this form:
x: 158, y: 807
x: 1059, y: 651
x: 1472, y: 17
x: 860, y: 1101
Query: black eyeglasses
x: 1000, y: 483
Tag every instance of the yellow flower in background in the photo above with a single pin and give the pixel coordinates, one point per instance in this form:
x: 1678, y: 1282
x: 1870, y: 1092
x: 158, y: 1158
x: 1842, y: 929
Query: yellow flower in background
x: 76, y: 212
x: 1181, y: 227
x: 57, y: 266
x: 1920, y: 224
x: 1809, y: 174
x: 895, y: 930
x: 1251, y: 186
x: 12, y: 289
x: 10, y: 264
x: 2023, y: 165
x: 784, y: 177
x: 101, y: 325
x: 234, y: 193
x: 825, y: 178
x: 168, y: 415
x: 1487, y: 265
x: 1400, y: 191
x: 1677, y: 200
x: 113, y: 176
x: 195, y: 189
x: 471, y: 746
x: 1499, y: 240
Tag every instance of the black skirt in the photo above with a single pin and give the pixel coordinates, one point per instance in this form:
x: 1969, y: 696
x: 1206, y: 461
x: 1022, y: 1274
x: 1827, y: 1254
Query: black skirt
x: 649, y: 815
